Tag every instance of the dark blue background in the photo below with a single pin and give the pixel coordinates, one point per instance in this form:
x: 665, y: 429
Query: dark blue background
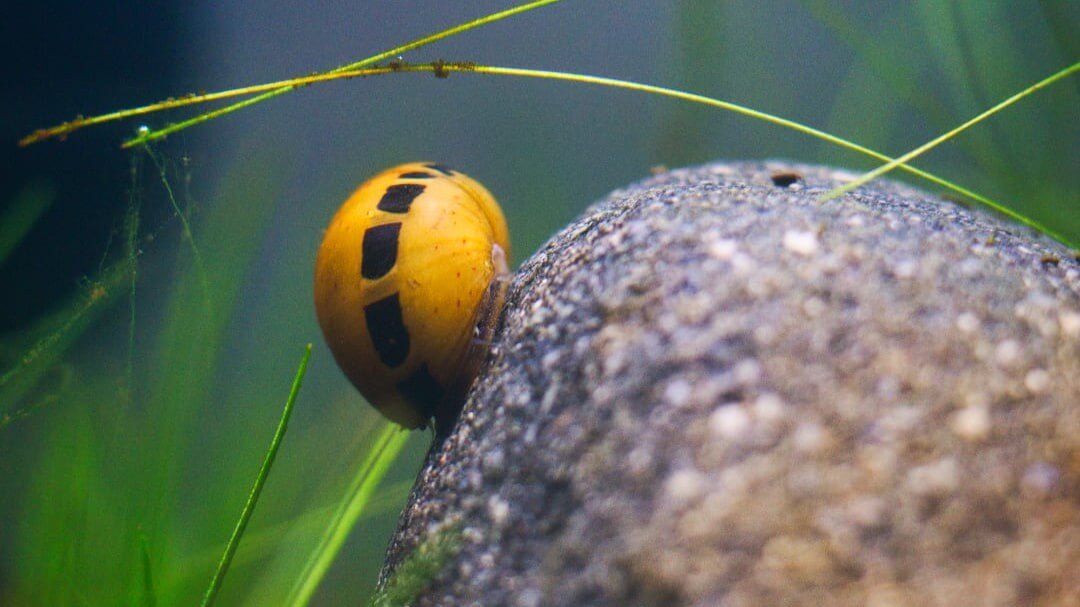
x: 64, y: 58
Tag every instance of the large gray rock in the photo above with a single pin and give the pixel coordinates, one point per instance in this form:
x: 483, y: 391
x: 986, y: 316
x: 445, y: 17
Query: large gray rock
x: 713, y: 390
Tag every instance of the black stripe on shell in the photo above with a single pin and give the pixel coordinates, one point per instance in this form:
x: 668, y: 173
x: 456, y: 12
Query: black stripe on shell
x: 442, y: 168
x: 379, y: 252
x: 398, y: 198
x: 387, y: 330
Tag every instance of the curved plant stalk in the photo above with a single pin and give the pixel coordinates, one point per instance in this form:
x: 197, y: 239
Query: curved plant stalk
x: 260, y: 481
x: 63, y: 130
x: 55, y: 334
x: 384, y: 451
x: 443, y: 69
x: 929, y: 145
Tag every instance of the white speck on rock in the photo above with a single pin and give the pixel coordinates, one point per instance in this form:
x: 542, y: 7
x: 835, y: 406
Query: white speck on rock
x: 1037, y: 381
x: 743, y: 264
x: 498, y: 510
x: 936, y: 478
x: 867, y: 511
x: 900, y: 421
x: 494, y: 461
x: 530, y: 597
x: 724, y: 249
x: 801, y: 242
x: 678, y: 392
x: 1070, y: 323
x: 765, y: 334
x: 469, y: 534
x: 769, y: 407
x: 747, y: 372
x: 971, y: 423
x: 729, y: 421
x: 685, y: 485
x: 1007, y: 353
x: 971, y: 266
x: 967, y: 322
x: 551, y: 359
x: 811, y: 437
x: 639, y: 462
x: 813, y: 307
x: 887, y: 387
x: 906, y: 268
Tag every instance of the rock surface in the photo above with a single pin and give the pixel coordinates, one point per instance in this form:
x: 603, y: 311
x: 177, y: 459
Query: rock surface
x: 713, y: 390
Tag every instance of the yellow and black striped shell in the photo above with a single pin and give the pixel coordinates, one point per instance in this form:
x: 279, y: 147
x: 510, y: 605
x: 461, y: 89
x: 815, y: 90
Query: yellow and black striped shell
x: 408, y: 281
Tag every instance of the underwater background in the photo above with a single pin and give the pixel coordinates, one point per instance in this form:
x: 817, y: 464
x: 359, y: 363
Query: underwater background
x: 136, y: 401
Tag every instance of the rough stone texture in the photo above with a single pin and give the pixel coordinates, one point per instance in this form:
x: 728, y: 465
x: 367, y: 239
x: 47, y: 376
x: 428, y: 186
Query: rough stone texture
x: 713, y: 390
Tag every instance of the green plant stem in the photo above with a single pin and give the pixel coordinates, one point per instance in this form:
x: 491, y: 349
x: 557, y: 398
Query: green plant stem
x: 384, y: 451
x: 357, y: 70
x: 388, y: 54
x: 444, y: 68
x: 777, y: 120
x: 902, y: 160
x: 726, y: 105
x: 73, y: 319
x: 260, y: 480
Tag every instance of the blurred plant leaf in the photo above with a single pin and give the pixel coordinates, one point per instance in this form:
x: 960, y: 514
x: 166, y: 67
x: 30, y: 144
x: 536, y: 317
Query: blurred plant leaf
x: 21, y: 215
x: 51, y: 337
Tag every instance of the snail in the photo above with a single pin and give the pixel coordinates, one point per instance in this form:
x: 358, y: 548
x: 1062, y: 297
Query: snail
x: 409, y: 282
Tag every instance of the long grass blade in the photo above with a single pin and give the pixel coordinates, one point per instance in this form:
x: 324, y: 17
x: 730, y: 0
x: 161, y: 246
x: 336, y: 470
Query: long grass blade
x: 147, y: 596
x: 59, y: 333
x: 21, y: 214
x: 441, y: 68
x: 694, y: 98
x: 929, y: 145
x: 146, y: 135
x: 260, y: 481
x: 369, y: 474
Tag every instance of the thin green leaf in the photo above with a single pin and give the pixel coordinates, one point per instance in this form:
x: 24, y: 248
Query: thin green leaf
x: 21, y: 215
x: 260, y: 481
x: 384, y: 452
x: 149, y: 596
x: 152, y: 135
x: 902, y: 160
x: 60, y: 332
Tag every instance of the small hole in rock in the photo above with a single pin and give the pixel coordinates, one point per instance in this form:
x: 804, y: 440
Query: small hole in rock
x: 785, y: 179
